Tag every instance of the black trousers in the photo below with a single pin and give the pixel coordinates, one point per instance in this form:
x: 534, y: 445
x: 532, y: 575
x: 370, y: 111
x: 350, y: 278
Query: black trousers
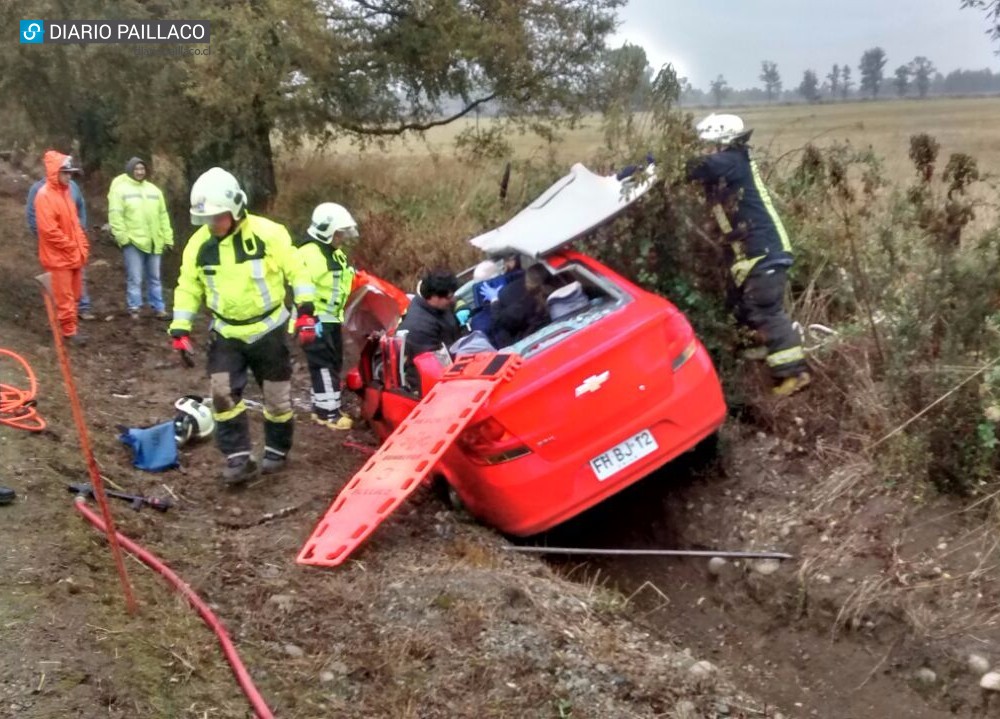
x: 325, y: 357
x: 269, y: 360
x: 759, y: 304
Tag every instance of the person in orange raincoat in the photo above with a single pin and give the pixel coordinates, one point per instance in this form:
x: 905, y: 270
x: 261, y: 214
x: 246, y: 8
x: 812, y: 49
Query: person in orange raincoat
x: 62, y: 244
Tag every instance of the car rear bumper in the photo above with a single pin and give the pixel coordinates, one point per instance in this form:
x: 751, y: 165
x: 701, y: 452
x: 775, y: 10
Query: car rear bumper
x: 530, y: 494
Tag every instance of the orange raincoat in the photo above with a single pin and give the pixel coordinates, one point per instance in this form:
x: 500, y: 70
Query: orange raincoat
x: 62, y: 244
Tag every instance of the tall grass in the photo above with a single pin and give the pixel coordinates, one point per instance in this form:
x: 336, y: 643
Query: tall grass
x: 415, y: 212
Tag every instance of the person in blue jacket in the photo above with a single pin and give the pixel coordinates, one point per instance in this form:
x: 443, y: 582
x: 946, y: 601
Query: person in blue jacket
x: 84, y: 306
x: 759, y: 248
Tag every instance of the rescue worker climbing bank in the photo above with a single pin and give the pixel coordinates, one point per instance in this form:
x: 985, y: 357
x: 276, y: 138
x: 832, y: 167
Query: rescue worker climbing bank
x: 760, y: 250
x: 239, y: 264
x: 320, y: 252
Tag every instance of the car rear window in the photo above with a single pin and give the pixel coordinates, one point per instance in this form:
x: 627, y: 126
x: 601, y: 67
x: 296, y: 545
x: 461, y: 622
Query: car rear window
x: 602, y: 298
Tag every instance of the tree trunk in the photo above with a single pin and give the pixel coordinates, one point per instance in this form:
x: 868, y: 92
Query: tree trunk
x: 246, y: 152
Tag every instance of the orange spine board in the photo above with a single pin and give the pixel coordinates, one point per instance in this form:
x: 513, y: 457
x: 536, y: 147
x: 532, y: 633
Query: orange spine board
x: 407, y: 456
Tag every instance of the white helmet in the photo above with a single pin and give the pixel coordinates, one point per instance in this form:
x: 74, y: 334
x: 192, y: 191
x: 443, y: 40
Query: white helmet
x: 214, y: 193
x: 193, y: 421
x: 722, y: 129
x: 329, y: 218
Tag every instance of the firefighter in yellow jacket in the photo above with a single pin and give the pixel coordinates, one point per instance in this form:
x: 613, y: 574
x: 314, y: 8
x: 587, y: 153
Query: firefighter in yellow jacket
x: 333, y: 277
x: 239, y: 264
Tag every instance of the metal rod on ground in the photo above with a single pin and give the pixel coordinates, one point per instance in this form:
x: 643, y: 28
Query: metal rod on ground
x: 650, y: 552
x: 81, y: 427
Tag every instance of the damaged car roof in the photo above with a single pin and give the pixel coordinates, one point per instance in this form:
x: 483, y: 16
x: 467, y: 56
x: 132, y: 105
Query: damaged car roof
x: 576, y: 204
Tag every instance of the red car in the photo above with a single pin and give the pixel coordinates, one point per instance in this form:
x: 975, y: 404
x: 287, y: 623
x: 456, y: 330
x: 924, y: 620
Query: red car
x: 607, y: 392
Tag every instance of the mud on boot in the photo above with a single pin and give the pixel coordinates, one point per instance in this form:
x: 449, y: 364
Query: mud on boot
x: 273, y: 462
x: 239, y: 470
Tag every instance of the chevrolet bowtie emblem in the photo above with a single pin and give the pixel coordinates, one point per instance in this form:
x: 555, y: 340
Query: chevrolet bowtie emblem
x: 592, y: 383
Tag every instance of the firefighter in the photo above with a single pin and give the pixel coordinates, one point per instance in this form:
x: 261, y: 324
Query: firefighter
x: 323, y: 256
x: 758, y: 243
x: 239, y: 264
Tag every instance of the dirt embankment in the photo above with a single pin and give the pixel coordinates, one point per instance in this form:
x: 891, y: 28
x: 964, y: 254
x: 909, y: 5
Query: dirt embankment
x: 889, y: 610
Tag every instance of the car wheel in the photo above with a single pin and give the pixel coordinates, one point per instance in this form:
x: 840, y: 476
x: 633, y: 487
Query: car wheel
x: 454, y: 501
x: 449, y: 495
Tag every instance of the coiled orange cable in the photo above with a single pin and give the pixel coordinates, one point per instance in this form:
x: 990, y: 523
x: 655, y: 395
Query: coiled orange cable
x: 17, y: 406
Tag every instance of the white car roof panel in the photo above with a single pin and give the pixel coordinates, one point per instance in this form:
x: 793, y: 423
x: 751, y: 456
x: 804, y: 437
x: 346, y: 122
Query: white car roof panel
x: 573, y: 206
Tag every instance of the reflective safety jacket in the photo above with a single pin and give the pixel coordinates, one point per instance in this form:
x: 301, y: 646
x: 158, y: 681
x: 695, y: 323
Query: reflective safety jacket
x: 332, y: 276
x: 138, y: 215
x: 743, y: 209
x: 62, y: 244
x: 241, y: 278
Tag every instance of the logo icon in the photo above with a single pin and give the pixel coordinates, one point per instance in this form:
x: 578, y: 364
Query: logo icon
x: 32, y: 32
x: 592, y: 383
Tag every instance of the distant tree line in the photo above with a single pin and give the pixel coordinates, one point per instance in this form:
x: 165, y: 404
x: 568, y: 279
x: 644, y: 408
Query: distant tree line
x: 917, y: 78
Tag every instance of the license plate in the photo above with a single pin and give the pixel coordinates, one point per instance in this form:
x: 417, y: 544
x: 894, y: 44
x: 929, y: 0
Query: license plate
x: 623, y: 454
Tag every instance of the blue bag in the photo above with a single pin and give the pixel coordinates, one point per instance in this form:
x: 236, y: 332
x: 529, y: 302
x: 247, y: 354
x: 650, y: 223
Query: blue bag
x: 154, y: 449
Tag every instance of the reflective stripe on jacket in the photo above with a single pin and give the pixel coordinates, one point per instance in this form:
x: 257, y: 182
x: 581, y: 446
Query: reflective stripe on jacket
x: 62, y: 244
x: 138, y: 215
x: 332, y: 276
x: 241, y: 278
x: 743, y: 208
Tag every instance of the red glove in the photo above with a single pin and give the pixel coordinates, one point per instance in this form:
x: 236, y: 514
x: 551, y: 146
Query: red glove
x: 182, y: 343
x: 305, y: 329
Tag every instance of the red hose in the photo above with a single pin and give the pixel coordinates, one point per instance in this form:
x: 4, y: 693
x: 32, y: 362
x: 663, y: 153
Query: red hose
x: 17, y: 406
x: 150, y: 560
x: 363, y: 448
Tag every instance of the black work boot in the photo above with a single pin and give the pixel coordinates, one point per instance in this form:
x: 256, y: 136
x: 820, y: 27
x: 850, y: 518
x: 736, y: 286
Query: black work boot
x: 239, y: 470
x: 277, y: 443
x: 7, y: 495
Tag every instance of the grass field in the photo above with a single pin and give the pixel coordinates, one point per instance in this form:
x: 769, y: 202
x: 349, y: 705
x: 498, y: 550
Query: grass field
x: 960, y: 125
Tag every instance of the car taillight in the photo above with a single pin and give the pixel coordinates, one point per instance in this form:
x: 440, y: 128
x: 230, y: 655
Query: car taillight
x: 489, y: 442
x: 685, y: 354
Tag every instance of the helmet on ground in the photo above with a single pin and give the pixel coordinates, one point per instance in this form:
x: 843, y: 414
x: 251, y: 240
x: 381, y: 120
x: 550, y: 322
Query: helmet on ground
x: 722, y: 129
x: 214, y: 193
x: 193, y: 420
x: 330, y: 218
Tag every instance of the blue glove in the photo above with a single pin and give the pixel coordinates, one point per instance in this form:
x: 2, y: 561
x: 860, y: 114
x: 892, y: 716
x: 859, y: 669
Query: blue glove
x: 490, y: 294
x: 319, y: 330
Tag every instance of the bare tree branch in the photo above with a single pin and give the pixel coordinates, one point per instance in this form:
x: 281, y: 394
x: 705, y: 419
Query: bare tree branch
x: 414, y: 126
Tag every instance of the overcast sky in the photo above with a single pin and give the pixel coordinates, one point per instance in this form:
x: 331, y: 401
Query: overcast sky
x: 706, y: 38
